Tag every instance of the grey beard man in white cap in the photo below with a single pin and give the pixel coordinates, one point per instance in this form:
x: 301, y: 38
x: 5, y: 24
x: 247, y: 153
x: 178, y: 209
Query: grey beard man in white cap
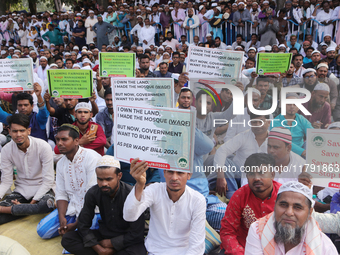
x: 290, y: 229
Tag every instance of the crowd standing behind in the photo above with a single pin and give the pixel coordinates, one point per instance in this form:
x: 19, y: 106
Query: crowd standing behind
x: 91, y: 201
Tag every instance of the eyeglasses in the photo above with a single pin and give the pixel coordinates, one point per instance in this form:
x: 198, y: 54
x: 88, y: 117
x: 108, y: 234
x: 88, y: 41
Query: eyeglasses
x: 310, y: 76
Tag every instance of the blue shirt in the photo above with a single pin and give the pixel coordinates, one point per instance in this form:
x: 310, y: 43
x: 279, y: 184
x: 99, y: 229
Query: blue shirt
x: 37, y: 122
x: 298, y: 132
x: 296, y: 45
x: 104, y: 119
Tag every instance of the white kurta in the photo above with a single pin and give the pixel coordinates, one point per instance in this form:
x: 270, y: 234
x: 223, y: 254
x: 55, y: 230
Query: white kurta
x: 75, y: 178
x: 90, y: 34
x: 323, y: 30
x: 147, y: 34
x: 194, y: 27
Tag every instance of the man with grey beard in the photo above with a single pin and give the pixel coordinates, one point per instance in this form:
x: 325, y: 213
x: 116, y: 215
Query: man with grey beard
x: 319, y: 107
x: 290, y: 229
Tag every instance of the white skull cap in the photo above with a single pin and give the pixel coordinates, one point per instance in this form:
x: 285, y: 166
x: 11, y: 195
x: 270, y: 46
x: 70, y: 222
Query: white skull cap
x: 322, y: 86
x: 297, y: 187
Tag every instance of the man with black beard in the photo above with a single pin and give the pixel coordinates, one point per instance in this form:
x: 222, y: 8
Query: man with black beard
x: 144, y: 67
x: 331, y: 57
x: 115, y: 235
x: 170, y: 40
x: 322, y: 73
x: 35, y: 59
x: 290, y: 229
x: 318, y: 107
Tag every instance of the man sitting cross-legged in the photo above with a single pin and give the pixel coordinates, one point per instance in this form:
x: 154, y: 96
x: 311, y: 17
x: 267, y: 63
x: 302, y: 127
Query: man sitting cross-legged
x: 33, y: 159
x: 115, y: 235
x: 75, y: 176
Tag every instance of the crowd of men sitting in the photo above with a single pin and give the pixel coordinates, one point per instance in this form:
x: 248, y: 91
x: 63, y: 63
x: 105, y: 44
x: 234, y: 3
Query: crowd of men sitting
x: 97, y: 203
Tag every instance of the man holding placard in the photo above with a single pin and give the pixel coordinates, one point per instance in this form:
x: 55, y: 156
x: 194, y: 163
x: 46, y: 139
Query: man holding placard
x: 25, y: 106
x: 177, y: 223
x: 91, y: 134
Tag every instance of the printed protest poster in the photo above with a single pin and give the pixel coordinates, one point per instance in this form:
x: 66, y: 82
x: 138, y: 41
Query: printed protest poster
x: 272, y: 63
x: 323, y: 157
x: 117, y: 64
x: 16, y: 74
x: 213, y: 63
x: 164, y: 137
x: 70, y: 83
x: 143, y: 92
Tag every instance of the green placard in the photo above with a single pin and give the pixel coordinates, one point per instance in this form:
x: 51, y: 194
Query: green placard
x: 73, y: 83
x: 272, y: 63
x: 117, y: 64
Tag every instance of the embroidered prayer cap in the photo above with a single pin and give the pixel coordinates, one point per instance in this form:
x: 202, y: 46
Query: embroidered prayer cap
x: 43, y: 57
x: 229, y: 47
x: 67, y: 54
x: 297, y: 187
x: 201, y: 7
x: 218, y: 8
x: 75, y: 128
x: 75, y: 65
x: 322, y: 65
x: 32, y: 51
x: 265, y: 2
x: 262, y: 49
x: 213, y: 4
x: 3, y: 52
x: 108, y: 161
x: 281, y: 133
x: 75, y: 48
x: 322, y: 86
x: 240, y: 3
x: 308, y: 70
x: 327, y: 35
x: 334, y: 125
x: 83, y: 105
x: 52, y: 65
x: 282, y: 46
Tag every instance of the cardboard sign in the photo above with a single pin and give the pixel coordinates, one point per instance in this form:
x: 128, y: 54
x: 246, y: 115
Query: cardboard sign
x: 117, y: 64
x: 323, y: 157
x: 70, y: 83
x: 164, y: 137
x: 16, y: 74
x: 272, y: 63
